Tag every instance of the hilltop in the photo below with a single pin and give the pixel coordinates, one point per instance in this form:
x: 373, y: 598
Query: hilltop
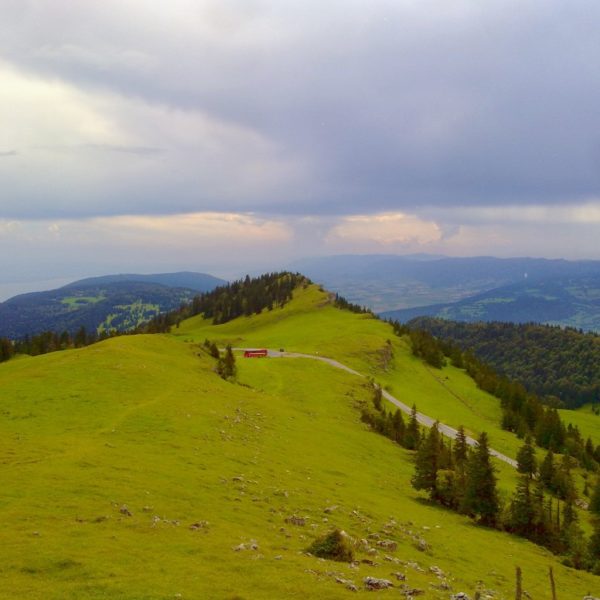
x: 132, y: 470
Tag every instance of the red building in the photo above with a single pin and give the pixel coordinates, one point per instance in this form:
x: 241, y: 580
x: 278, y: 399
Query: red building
x: 256, y: 353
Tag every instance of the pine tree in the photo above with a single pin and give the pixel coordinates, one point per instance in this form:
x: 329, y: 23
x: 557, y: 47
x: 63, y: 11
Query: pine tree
x: 398, y: 427
x: 460, y: 446
x: 526, y: 461
x: 377, y: 398
x: 594, y: 507
x: 426, y: 463
x: 548, y: 470
x: 412, y: 434
x: 481, y: 497
x: 522, y: 509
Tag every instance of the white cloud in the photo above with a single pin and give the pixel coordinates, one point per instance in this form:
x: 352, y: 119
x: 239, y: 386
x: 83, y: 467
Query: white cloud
x: 387, y: 231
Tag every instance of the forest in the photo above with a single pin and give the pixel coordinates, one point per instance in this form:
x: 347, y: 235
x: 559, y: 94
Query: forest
x: 560, y: 365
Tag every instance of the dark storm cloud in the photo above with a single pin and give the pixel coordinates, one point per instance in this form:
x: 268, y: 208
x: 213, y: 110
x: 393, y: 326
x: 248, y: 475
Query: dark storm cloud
x: 384, y: 105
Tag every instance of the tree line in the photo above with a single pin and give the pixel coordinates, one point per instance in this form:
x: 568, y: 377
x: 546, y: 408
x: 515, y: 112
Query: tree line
x: 523, y: 412
x: 244, y: 297
x: 558, y: 364
x: 462, y: 478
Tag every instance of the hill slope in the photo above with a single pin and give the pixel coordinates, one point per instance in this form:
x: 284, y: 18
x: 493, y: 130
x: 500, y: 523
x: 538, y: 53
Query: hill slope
x: 204, y: 465
x: 113, y: 302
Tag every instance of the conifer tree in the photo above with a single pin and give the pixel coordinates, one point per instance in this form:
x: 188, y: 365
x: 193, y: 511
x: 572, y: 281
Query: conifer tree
x: 522, y: 509
x: 398, y: 427
x: 526, y: 461
x: 460, y: 446
x: 377, y: 398
x: 426, y: 463
x: 480, y: 496
x: 594, y: 506
x: 412, y: 434
x: 548, y: 470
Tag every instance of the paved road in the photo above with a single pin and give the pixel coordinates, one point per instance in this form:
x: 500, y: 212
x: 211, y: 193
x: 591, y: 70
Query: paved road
x: 423, y: 419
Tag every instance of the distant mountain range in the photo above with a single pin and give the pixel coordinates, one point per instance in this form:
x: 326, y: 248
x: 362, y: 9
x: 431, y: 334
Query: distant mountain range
x: 568, y: 301
x: 101, y: 303
x: 390, y: 282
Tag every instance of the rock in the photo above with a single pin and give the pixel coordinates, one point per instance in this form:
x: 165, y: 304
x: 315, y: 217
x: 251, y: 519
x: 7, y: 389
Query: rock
x: 399, y: 576
x: 351, y: 587
x: 421, y: 545
x: 437, y: 571
x: 199, y: 525
x: 124, y: 510
x: 295, y: 520
x: 588, y: 597
x: 330, y: 509
x: 278, y: 557
x: 411, y: 592
x: 251, y: 545
x: 372, y: 583
x: 460, y: 596
x: 388, y: 545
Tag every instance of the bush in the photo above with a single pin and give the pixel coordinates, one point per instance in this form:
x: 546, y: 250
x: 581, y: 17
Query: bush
x: 334, y: 546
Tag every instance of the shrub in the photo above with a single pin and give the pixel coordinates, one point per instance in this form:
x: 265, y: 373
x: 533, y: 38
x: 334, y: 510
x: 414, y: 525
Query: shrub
x: 334, y: 546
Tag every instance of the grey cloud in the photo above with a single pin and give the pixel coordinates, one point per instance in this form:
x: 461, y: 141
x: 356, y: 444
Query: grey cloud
x: 5, y: 153
x: 390, y: 105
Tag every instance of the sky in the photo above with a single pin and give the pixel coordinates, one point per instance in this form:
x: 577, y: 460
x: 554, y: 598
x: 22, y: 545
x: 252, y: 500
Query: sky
x: 225, y: 136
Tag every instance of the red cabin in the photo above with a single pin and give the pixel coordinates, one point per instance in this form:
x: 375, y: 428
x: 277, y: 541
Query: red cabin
x: 256, y: 353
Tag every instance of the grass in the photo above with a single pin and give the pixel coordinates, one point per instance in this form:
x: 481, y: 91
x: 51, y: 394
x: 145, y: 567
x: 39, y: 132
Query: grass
x: 144, y: 421
x: 77, y: 301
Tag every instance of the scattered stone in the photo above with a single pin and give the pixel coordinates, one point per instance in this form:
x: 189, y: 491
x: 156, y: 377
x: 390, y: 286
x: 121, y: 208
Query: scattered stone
x: 373, y: 536
x: 460, y: 596
x: 388, y: 545
x: 124, y: 510
x: 330, y: 509
x: 351, y: 587
x: 373, y: 583
x: 147, y: 508
x: 251, y: 545
x: 590, y: 598
x: 199, y: 525
x: 368, y: 561
x: 296, y: 520
x: 36, y: 533
x: 411, y: 592
x: 278, y: 557
x: 421, y: 545
x: 399, y: 576
x: 238, y: 478
x: 437, y: 571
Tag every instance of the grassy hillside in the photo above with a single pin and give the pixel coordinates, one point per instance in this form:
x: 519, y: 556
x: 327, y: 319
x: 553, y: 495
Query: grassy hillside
x: 204, y: 465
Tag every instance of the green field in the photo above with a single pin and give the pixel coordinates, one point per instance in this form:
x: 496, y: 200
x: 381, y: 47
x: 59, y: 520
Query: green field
x: 144, y: 421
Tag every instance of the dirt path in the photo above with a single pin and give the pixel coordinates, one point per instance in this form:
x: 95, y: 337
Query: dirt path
x: 423, y: 419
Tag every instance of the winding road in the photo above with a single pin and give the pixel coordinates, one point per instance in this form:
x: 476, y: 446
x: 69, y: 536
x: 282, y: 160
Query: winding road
x: 423, y: 419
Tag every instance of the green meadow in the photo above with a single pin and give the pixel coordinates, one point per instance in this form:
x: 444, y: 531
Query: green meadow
x: 130, y: 470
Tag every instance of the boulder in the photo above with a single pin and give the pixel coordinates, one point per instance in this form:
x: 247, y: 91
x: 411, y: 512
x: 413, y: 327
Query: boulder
x: 373, y: 583
x: 460, y: 596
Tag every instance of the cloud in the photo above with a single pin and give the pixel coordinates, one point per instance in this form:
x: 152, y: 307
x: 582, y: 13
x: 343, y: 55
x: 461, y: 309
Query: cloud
x: 177, y: 160
x: 389, y: 231
x: 301, y: 108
